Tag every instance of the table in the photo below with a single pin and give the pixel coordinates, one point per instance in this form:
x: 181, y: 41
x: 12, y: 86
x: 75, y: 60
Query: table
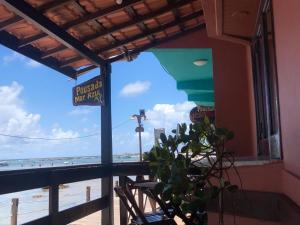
x: 146, y: 185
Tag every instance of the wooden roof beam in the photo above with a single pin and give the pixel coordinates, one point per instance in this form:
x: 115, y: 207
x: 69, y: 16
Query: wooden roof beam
x: 29, y: 13
x: 134, y: 16
x: 30, y: 40
x: 140, y: 49
x: 99, y: 26
x: 10, y: 41
x: 155, y: 43
x: 141, y: 18
x: 176, y: 13
x: 139, y: 36
x: 161, y: 28
x: 53, y: 51
x: 118, y: 27
x: 84, y: 70
x: 9, y: 22
x: 70, y: 61
x: 86, y: 18
x: 99, y: 14
x: 53, y: 5
x: 48, y: 6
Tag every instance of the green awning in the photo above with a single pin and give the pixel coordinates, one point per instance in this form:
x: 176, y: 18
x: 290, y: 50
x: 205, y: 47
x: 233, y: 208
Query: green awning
x: 196, y: 81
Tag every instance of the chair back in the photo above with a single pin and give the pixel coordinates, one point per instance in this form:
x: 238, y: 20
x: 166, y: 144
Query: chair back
x: 119, y: 191
x: 131, y: 199
x: 168, y: 211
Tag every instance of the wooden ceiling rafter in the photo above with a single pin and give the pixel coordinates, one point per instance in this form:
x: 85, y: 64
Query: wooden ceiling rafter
x: 100, y: 14
x: 158, y: 29
x: 122, y: 48
x: 42, y: 22
x: 143, y: 48
x: 61, y: 48
x: 148, y: 16
x: 70, y: 61
x: 176, y: 14
x: 145, y: 34
x: 48, y: 6
x: 115, y: 32
x: 157, y: 42
x: 95, y: 23
x: 9, y: 22
x: 89, y: 17
x: 122, y: 26
x: 11, y: 42
x: 134, y: 16
x: 53, y: 5
x: 30, y: 40
x: 155, y: 19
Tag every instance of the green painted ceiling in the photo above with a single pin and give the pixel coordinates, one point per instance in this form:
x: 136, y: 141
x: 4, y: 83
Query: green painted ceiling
x: 196, y: 81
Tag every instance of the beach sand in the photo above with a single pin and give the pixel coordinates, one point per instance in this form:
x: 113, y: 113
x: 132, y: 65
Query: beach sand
x: 95, y: 218
x: 33, y: 204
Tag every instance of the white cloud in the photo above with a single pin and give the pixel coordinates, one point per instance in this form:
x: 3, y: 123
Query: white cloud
x: 160, y: 116
x: 81, y: 111
x: 167, y: 115
x: 14, y: 118
x: 59, y: 133
x: 17, y: 121
x: 32, y: 63
x: 16, y: 57
x: 134, y: 89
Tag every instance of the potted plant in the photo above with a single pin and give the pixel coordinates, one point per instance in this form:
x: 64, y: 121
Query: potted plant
x: 190, y: 167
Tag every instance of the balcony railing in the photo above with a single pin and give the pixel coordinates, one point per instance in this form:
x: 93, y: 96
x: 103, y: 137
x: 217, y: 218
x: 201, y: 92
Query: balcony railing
x: 22, y: 180
x: 252, y: 204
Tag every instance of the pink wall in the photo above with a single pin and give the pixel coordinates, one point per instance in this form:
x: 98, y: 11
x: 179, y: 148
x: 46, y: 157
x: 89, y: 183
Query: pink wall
x: 234, y: 99
x: 287, y: 36
x: 230, y: 220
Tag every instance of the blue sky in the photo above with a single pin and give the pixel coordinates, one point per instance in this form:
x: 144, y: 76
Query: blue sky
x: 36, y: 101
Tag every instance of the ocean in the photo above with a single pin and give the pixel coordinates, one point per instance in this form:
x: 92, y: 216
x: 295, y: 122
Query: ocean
x: 33, y: 204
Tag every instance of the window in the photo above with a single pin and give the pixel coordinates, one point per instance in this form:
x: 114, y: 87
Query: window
x: 265, y: 86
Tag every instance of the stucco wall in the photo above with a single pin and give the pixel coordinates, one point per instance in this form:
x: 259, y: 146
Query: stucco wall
x: 287, y: 36
x: 234, y: 99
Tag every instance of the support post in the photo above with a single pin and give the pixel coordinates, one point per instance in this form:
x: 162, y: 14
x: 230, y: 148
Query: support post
x: 53, y: 203
x: 88, y: 193
x: 123, y: 210
x: 107, y: 217
x: 14, y: 211
x: 140, y: 178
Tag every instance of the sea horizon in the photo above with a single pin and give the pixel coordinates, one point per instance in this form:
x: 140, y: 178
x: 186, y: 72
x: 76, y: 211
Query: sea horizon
x: 48, y: 162
x: 34, y: 203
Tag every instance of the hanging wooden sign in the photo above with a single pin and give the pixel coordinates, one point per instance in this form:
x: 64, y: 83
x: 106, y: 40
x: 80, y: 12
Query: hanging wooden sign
x: 90, y: 92
x: 198, y: 113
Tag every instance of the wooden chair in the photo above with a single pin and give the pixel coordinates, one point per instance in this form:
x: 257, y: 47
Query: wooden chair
x: 138, y: 217
x: 171, y: 211
x: 164, y: 208
x: 131, y: 184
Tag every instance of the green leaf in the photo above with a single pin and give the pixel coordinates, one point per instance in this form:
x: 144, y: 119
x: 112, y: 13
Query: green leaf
x: 163, y: 138
x: 159, y: 188
x: 177, y: 200
x: 206, y: 120
x: 184, y: 149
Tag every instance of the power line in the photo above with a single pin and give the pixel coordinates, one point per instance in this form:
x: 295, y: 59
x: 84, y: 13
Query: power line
x: 57, y: 139
x: 121, y: 124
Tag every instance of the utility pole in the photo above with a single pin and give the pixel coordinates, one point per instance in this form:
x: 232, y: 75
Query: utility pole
x: 139, y: 129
